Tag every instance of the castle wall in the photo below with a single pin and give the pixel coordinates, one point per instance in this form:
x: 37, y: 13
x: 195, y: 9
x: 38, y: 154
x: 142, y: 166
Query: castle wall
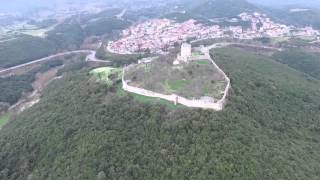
x: 195, y: 103
x: 218, y: 106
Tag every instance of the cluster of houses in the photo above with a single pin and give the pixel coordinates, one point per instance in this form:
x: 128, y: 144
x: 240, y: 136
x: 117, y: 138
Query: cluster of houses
x: 158, y: 35
x: 263, y: 26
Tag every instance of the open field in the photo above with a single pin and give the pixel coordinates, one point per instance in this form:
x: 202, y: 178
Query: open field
x: 193, y: 80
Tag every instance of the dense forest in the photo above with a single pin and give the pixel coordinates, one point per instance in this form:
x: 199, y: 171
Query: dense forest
x: 13, y: 87
x: 119, y: 59
x: 24, y: 49
x: 81, y: 129
x: 223, y: 8
x: 67, y: 36
x: 302, y: 19
x: 300, y: 60
x: 105, y: 25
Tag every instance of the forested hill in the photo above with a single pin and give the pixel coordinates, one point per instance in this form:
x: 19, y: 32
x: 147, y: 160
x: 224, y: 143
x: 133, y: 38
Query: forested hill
x: 223, y: 8
x: 269, y: 130
x: 24, y: 49
x: 231, y: 8
x: 300, y: 60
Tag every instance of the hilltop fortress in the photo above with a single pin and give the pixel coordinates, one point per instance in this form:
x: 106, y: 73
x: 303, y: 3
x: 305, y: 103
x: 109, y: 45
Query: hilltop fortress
x: 185, y: 56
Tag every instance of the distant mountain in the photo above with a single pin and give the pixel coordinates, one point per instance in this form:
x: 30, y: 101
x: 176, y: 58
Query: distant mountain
x: 283, y: 14
x: 277, y: 3
x: 310, y: 17
x: 22, y: 6
x: 223, y: 8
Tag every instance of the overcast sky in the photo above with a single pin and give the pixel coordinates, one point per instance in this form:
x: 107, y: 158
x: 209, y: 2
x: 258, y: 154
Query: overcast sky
x: 13, y: 5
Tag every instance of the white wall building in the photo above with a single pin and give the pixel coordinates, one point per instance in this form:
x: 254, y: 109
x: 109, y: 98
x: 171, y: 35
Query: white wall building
x: 185, y: 50
x: 185, y: 54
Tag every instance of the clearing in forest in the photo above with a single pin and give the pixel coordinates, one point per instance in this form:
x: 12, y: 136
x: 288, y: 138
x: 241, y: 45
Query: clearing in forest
x: 106, y: 74
x: 4, y: 119
x: 192, y: 80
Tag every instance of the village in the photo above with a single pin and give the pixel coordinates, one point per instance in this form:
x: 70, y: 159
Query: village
x: 158, y: 35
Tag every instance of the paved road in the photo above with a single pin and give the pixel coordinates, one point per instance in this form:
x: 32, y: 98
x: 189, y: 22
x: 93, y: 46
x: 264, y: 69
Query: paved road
x: 90, y: 57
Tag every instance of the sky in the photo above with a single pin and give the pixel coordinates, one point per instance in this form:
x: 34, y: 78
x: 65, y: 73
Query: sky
x: 23, y: 5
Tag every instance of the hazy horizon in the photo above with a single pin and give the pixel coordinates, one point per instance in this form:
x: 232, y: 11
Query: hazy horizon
x: 27, y: 5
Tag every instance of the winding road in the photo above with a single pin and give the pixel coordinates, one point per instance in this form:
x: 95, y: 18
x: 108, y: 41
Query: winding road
x: 90, y: 58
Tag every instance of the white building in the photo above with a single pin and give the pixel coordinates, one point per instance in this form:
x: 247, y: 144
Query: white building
x: 185, y: 51
x: 185, y: 54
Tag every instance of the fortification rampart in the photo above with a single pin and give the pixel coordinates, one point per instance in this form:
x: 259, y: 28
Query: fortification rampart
x: 195, y: 103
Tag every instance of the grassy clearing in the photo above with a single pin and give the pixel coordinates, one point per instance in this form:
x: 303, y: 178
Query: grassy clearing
x: 4, y: 119
x: 308, y: 38
x: 176, y: 85
x: 279, y: 39
x: 191, y: 80
x: 105, y: 74
x: 203, y: 62
x: 197, y: 53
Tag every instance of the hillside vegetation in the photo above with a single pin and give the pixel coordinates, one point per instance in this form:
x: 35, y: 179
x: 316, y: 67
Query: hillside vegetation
x: 308, y: 63
x: 24, y: 49
x: 28, y: 48
x: 223, y: 8
x: 105, y: 25
x: 269, y: 130
x: 12, y: 88
x: 302, y: 19
x: 67, y: 36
